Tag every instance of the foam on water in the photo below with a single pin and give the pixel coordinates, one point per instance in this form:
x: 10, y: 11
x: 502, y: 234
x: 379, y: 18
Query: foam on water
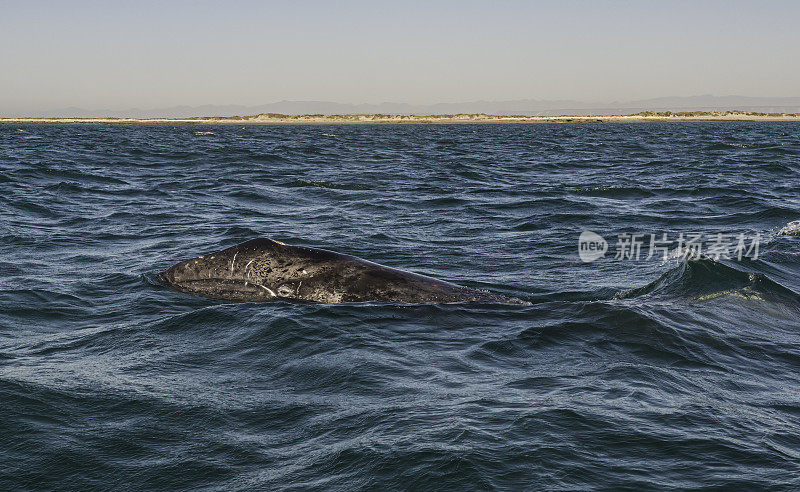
x: 790, y: 229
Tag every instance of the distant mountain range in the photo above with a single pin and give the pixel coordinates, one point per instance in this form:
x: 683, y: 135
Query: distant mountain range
x: 527, y: 107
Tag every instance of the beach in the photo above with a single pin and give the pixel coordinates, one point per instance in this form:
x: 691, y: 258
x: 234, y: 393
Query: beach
x: 318, y: 119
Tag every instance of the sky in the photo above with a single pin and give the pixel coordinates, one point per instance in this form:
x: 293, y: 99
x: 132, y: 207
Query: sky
x: 148, y: 54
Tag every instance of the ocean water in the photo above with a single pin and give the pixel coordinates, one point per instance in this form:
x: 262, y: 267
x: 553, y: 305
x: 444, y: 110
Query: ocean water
x: 619, y: 373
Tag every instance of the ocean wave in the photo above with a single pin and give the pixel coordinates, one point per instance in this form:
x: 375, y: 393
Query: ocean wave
x: 626, y: 192
x: 302, y: 182
x: 705, y: 279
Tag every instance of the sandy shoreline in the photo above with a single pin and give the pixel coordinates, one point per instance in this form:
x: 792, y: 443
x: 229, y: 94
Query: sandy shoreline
x: 276, y: 119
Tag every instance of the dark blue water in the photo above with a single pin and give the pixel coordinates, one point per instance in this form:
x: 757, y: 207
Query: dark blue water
x: 619, y: 374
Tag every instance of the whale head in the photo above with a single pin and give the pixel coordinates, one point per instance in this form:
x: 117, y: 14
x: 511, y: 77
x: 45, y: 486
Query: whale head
x: 252, y: 271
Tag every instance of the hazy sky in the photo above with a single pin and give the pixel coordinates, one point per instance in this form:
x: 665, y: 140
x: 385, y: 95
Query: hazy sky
x: 121, y: 54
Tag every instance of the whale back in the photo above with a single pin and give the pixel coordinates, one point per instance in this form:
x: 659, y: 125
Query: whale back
x: 266, y: 270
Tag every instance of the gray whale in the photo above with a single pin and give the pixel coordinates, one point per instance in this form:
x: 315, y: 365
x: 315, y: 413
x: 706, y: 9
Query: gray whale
x: 265, y: 270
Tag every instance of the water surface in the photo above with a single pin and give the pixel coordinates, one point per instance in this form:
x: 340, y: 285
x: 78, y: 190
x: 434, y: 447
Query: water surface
x: 619, y: 373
